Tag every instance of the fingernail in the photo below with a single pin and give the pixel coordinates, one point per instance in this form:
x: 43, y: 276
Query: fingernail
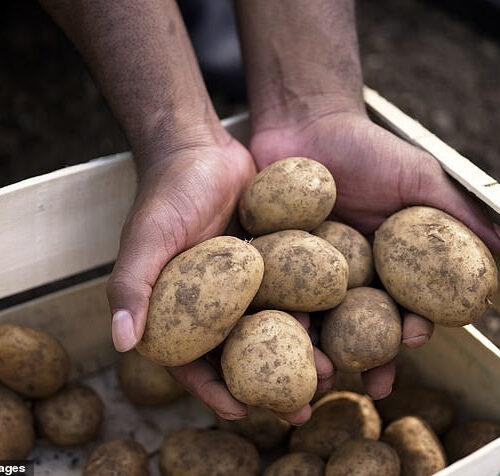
x: 383, y: 395
x: 123, y: 331
x: 417, y: 341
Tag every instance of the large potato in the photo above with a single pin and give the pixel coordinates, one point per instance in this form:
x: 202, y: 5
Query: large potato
x: 433, y: 406
x: 261, y: 426
x: 198, y: 298
x: 363, y: 457
x: 355, y: 248
x: 268, y: 361
x: 418, y: 447
x: 17, y: 434
x: 435, y: 266
x: 32, y: 362
x: 363, y: 332
x: 118, y: 458
x: 336, y: 417
x: 146, y: 383
x: 302, y: 272
x: 70, y: 417
x: 294, y: 193
x: 297, y: 464
x: 467, y: 437
x: 191, y: 452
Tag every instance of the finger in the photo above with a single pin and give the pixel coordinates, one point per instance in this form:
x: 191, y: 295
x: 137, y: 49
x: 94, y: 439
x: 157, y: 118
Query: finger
x: 298, y: 417
x: 324, y: 369
x: 201, y: 380
x: 417, y: 330
x: 378, y: 381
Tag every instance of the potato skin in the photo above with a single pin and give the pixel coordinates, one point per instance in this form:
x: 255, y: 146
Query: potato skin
x: 146, y: 383
x: 293, y: 193
x: 435, y: 266
x: 70, y: 417
x: 197, y: 299
x: 17, y: 433
x: 336, y: 417
x: 261, y: 426
x: 191, y: 452
x: 32, y: 362
x: 302, y: 272
x: 267, y: 361
x: 296, y: 464
x: 418, y: 447
x: 433, y: 406
x: 363, y: 457
x: 362, y: 332
x: 467, y: 437
x: 118, y: 457
x: 355, y: 249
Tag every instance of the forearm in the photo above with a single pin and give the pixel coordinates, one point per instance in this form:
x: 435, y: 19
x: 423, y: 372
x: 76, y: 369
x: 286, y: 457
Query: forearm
x: 140, y: 54
x: 300, y: 58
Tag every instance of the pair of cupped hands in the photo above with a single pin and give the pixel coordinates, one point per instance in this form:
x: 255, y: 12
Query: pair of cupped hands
x: 190, y: 194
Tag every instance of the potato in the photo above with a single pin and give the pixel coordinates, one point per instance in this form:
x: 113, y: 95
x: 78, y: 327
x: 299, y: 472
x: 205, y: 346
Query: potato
x: 191, y: 452
x: 70, y: 417
x: 418, y: 447
x: 433, y: 406
x: 294, y: 193
x: 32, y: 362
x: 363, y: 332
x: 302, y: 272
x: 297, y: 464
x: 435, y: 266
x: 198, y: 298
x: 118, y: 457
x: 267, y: 361
x: 17, y: 434
x: 261, y: 426
x: 355, y: 248
x: 336, y: 417
x: 147, y: 383
x: 467, y: 437
x: 363, y: 457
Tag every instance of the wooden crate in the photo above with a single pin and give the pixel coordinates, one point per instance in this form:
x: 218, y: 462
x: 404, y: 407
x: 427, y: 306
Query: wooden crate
x: 69, y: 221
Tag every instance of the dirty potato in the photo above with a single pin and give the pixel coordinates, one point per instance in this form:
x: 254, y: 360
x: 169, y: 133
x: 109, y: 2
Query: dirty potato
x: 32, y: 362
x: 192, y: 452
x: 267, y: 361
x: 296, y: 464
x: 363, y: 332
x: 293, y: 193
x: 302, y: 272
x: 198, y: 298
x: 435, y: 266
x: 355, y: 248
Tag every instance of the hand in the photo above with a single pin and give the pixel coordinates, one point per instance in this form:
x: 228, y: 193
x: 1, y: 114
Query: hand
x: 377, y: 174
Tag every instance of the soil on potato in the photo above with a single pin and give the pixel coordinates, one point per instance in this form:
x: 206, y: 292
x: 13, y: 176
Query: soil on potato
x: 435, y: 65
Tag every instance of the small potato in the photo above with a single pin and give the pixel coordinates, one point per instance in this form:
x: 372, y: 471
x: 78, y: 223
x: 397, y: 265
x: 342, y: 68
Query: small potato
x: 17, y: 434
x: 147, y: 383
x: 32, y: 362
x: 294, y: 193
x: 267, y: 361
x: 433, y: 406
x: 261, y: 426
x: 435, y: 266
x: 198, y: 298
x: 70, y: 417
x: 467, y: 437
x: 118, y: 457
x: 363, y: 332
x: 336, y: 417
x: 418, y: 447
x: 297, y: 464
x: 191, y: 452
x: 363, y: 457
x: 301, y: 272
x: 355, y: 248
